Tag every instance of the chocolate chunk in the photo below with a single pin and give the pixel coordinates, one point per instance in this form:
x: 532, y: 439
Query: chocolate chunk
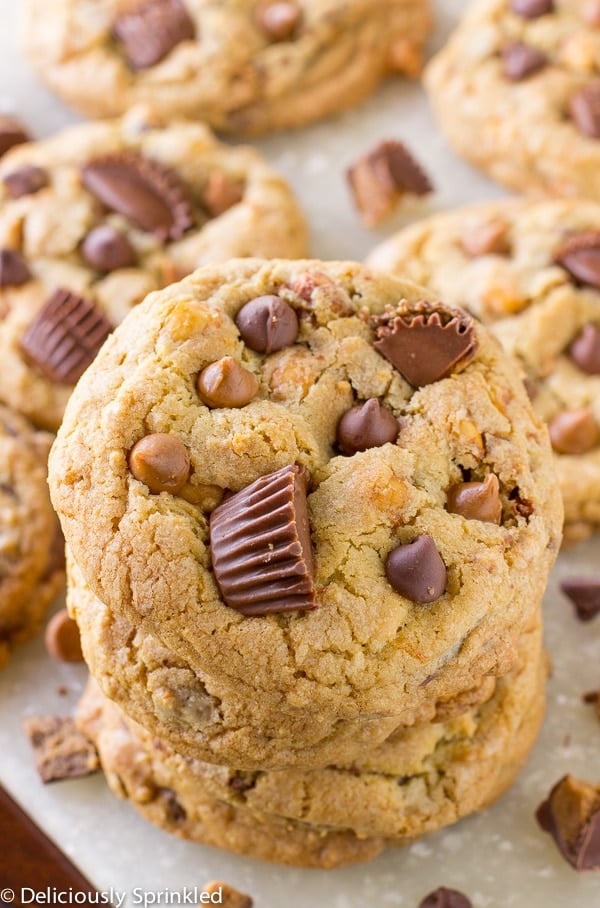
x: 267, y: 324
x: 225, y: 383
x: 532, y: 9
x: 150, y: 195
x: 520, y: 60
x: 13, y: 269
x: 228, y: 896
x: 445, y: 898
x: 221, y: 193
x: 367, y: 425
x: 65, y: 337
x: 12, y: 132
x: 175, y: 810
x: 416, y: 570
x: 150, y: 32
x: 278, y: 20
x: 161, y: 461
x: 584, y: 593
x: 261, y: 550
x: 574, y: 432
x: 25, y: 181
x: 489, y: 238
x: 580, y: 256
x: 380, y: 179
x: 592, y: 697
x: 571, y: 814
x: 107, y: 249
x: 61, y: 751
x: 425, y: 342
x: 476, y: 500
x: 585, y: 350
x: 62, y: 638
x: 584, y: 108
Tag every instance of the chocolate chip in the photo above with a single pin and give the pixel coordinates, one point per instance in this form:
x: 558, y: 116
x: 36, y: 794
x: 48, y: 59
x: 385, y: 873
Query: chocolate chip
x: 584, y: 108
x: 107, y: 249
x: 425, y: 342
x: 61, y: 751
x: 476, y: 500
x: 62, y: 638
x: 278, y: 20
x: 445, y: 898
x: 380, y: 179
x: 150, y: 32
x: 585, y: 350
x: 267, y: 324
x: 14, y: 271
x: 261, y: 550
x: 367, y: 425
x: 584, y: 593
x: 12, y: 132
x: 591, y: 13
x: 228, y: 896
x: 176, y: 812
x: 150, y: 195
x: 221, y: 193
x: 574, y: 432
x: 65, y: 337
x: 520, y: 60
x: 532, y: 9
x: 225, y: 383
x: 25, y: 181
x: 489, y: 238
x: 161, y: 462
x: 416, y: 570
x: 571, y: 814
x: 580, y: 256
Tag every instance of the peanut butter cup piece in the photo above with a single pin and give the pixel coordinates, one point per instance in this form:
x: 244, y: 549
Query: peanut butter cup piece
x: 520, y: 60
x: 267, y: 324
x: 150, y: 32
x: 584, y: 593
x: 65, y: 337
x: 150, y: 195
x: 161, y: 462
x: 278, y: 20
x: 13, y: 269
x: 367, y: 425
x: 25, y: 181
x: 445, y: 898
x: 425, y: 342
x: 221, y: 193
x: 12, y: 132
x: 489, y: 238
x: 585, y: 350
x: 225, y: 383
x: 584, y: 108
x: 416, y: 570
x: 574, y: 432
x: 107, y: 249
x: 580, y: 256
x: 532, y: 9
x: 62, y: 638
x: 571, y: 814
x: 261, y: 549
x: 476, y: 500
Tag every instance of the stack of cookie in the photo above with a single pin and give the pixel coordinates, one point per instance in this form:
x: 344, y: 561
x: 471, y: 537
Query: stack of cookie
x: 311, y: 515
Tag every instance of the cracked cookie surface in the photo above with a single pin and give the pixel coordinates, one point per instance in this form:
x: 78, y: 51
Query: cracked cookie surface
x: 306, y: 687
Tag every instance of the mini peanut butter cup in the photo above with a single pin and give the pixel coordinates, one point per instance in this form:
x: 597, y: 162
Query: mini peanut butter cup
x: 260, y: 541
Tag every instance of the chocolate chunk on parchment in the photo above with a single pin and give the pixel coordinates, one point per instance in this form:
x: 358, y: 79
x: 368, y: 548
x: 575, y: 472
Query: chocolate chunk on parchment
x: 580, y: 256
x: 584, y: 593
x: 65, y: 336
x: 14, y: 270
x: 150, y: 32
x: 278, y: 19
x: 380, y: 179
x: 261, y: 549
x: 425, y: 342
x: 149, y: 194
x: 445, y: 898
x: 61, y: 751
x: 12, y: 132
x: 571, y: 814
x: 25, y: 181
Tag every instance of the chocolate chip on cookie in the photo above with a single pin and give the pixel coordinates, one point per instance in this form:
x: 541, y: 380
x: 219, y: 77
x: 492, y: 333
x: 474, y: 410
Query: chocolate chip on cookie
x: 161, y: 462
x: 584, y: 593
x: 221, y: 193
x: 584, y: 108
x: 574, y: 431
x: 267, y: 324
x: 425, y: 342
x: 12, y: 133
x: 532, y: 9
x: 571, y: 814
x: 520, y: 60
x: 107, y: 249
x: 150, y: 195
x: 585, y: 350
x: 279, y: 19
x: 476, y: 500
x: 65, y: 336
x: 368, y: 425
x: 62, y: 638
x: 25, y: 181
x: 261, y: 548
x: 416, y: 570
x: 13, y: 269
x: 150, y: 32
x: 225, y: 383
x: 445, y: 898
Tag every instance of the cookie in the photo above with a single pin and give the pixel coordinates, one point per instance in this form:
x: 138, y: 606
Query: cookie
x: 316, y: 579
x: 516, y: 92
x: 100, y: 215
x: 243, y: 67
x: 31, y: 547
x: 530, y: 270
x: 419, y: 781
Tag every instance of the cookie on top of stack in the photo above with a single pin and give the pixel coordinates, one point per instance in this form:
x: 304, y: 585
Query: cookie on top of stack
x: 311, y: 515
